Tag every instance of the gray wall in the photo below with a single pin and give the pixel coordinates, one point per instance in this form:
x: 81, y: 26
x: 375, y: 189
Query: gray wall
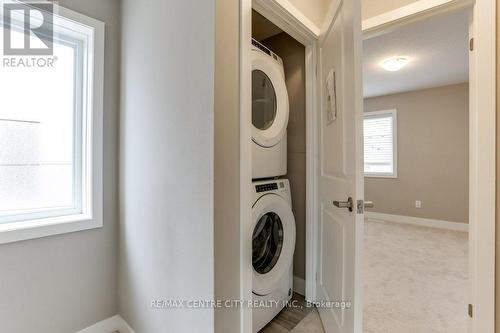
x: 293, y: 55
x: 227, y: 163
x: 433, y: 155
x: 166, y: 163
x: 63, y: 283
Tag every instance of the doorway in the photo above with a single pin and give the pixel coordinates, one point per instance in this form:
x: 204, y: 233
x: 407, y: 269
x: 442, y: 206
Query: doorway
x: 271, y: 44
x: 416, y: 166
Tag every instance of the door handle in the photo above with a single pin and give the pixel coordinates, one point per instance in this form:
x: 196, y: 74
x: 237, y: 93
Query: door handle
x: 360, y: 208
x: 369, y: 204
x: 344, y: 204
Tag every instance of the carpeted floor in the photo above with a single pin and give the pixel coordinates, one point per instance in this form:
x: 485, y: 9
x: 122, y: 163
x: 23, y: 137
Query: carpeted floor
x: 415, y: 279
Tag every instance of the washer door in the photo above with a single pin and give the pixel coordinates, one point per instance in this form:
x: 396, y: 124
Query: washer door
x: 273, y: 242
x: 269, y: 101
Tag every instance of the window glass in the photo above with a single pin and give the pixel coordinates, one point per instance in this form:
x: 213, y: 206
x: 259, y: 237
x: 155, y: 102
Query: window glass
x: 263, y: 100
x: 379, y: 143
x: 267, y: 242
x: 40, y: 135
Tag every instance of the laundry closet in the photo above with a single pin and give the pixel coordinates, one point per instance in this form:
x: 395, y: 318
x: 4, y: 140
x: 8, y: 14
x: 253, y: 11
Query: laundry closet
x: 279, y: 166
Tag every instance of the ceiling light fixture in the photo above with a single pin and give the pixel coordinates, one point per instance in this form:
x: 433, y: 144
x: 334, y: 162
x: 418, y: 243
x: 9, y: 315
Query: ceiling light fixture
x: 395, y: 63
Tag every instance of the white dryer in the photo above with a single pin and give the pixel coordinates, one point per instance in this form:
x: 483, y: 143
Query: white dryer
x: 273, y: 245
x: 270, y: 111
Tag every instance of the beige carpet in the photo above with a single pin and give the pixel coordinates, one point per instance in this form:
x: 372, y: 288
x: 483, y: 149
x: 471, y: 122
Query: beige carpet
x: 415, y: 279
x: 310, y: 324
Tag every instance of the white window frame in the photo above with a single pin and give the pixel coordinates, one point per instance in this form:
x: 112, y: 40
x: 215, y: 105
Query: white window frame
x: 91, y: 215
x: 394, y: 114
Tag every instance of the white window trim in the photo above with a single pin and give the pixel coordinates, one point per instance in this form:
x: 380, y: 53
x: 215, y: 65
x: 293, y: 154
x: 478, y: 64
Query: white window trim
x: 93, y: 168
x: 394, y: 114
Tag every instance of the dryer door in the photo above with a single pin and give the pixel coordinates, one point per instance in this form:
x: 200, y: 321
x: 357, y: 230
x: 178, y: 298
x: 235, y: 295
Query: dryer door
x: 273, y: 242
x: 269, y: 100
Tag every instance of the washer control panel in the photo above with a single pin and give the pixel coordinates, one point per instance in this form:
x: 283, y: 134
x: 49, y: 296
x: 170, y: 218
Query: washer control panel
x: 279, y: 187
x: 269, y: 187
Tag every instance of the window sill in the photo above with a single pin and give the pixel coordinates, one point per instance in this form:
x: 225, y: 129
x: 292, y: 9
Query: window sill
x: 32, y: 229
x: 380, y: 176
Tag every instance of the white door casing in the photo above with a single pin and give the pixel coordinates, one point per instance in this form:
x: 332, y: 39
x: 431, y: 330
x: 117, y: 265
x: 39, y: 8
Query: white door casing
x: 340, y: 173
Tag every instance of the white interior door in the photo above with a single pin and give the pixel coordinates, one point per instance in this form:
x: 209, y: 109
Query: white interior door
x: 340, y: 174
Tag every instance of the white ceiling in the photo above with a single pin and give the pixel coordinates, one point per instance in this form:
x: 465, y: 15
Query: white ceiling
x: 438, y: 52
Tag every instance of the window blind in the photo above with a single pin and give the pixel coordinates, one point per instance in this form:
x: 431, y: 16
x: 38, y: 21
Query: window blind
x: 379, y: 143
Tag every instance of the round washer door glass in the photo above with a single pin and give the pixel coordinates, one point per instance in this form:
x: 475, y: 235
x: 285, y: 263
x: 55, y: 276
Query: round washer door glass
x: 267, y: 242
x: 263, y: 100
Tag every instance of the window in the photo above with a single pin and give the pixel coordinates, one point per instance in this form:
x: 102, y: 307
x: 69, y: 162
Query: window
x: 380, y: 144
x: 51, y: 127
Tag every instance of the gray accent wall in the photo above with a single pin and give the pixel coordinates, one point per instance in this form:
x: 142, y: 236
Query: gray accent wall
x: 64, y: 283
x: 167, y: 163
x: 293, y: 55
x: 433, y: 155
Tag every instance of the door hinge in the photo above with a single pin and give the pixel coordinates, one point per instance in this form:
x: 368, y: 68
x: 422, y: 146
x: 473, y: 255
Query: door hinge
x: 470, y: 310
x: 360, y: 207
x: 471, y: 44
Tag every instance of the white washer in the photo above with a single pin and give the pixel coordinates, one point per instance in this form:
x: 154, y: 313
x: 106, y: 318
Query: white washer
x: 270, y: 111
x: 273, y: 244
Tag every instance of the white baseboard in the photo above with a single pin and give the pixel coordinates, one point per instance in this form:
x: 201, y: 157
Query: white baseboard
x: 299, y: 285
x: 110, y: 325
x: 440, y: 224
